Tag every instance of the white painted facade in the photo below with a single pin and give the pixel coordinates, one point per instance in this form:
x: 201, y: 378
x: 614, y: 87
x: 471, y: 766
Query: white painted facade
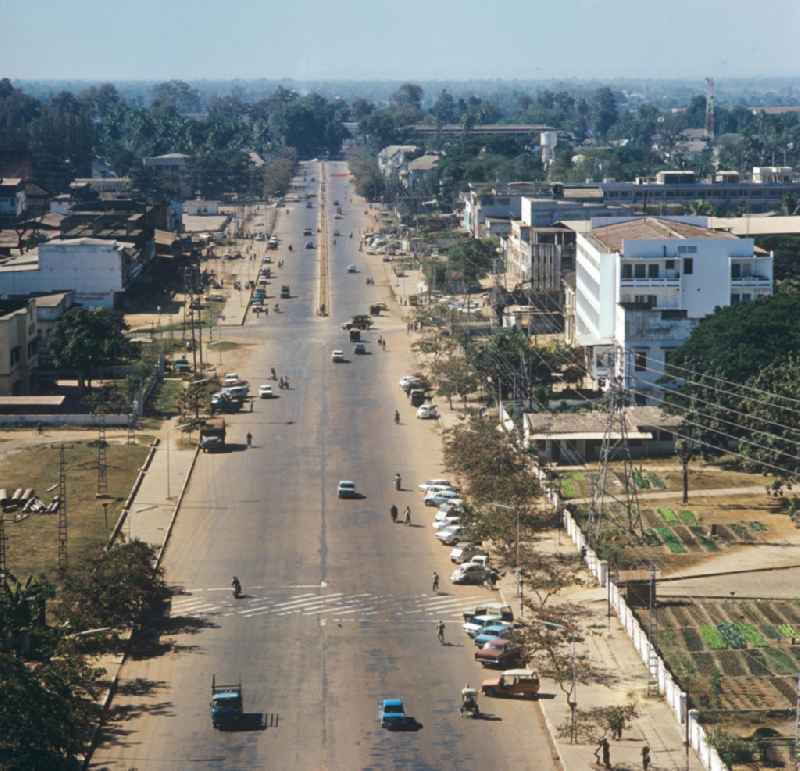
x: 95, y: 270
x: 646, y: 298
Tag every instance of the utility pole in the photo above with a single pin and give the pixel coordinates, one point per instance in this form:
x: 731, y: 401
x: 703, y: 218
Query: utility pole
x: 102, y: 465
x: 62, y: 510
x: 3, y: 549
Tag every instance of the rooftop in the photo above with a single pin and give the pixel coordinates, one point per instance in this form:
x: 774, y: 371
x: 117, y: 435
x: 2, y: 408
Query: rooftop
x: 424, y: 163
x: 589, y: 424
x: 10, y: 181
x: 611, y: 238
x: 50, y: 300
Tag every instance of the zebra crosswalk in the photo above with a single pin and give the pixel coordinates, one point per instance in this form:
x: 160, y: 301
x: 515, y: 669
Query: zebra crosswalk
x: 336, y: 606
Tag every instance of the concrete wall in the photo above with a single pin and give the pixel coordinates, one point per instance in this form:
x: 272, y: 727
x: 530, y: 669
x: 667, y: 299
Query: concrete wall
x: 62, y: 420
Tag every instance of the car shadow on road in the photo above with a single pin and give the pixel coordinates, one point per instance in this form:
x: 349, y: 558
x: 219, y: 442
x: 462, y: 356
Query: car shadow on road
x: 542, y: 696
x: 490, y: 717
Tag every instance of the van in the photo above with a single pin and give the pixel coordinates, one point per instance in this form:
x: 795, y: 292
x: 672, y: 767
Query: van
x: 285, y: 293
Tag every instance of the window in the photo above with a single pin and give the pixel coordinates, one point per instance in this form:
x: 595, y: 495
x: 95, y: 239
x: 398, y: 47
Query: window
x: 640, y: 270
x: 688, y: 266
x: 687, y: 250
x: 736, y: 270
x: 746, y: 297
x: 627, y: 270
x: 735, y: 299
x: 652, y: 271
x: 640, y: 361
x: 669, y: 356
x: 670, y: 265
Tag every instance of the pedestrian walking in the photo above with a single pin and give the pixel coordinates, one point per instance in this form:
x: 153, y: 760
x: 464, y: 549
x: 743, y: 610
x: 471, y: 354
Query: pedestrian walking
x: 408, y: 515
x: 393, y: 513
x: 603, y: 753
x: 645, y: 758
x: 435, y: 582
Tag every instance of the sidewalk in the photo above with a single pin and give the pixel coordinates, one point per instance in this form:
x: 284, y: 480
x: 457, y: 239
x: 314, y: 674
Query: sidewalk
x: 611, y: 651
x: 152, y: 509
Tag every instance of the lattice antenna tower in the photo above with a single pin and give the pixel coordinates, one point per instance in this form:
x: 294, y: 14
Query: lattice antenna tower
x: 62, y: 509
x: 652, y: 659
x: 711, y: 110
x: 3, y: 549
x: 616, y: 446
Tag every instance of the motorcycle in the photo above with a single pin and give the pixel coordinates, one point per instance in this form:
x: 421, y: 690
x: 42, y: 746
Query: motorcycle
x: 237, y: 588
x: 397, y: 481
x: 469, y: 703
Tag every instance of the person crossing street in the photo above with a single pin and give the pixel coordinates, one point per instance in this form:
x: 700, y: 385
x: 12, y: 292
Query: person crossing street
x: 435, y: 581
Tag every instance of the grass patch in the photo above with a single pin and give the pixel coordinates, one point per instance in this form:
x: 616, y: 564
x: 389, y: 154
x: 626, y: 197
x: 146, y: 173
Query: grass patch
x: 688, y: 518
x: 668, y: 515
x: 671, y: 540
x: 712, y: 638
x: 224, y: 345
x: 32, y: 543
x: 165, y: 399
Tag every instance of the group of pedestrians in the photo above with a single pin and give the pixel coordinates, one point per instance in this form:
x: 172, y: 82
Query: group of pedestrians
x: 395, y: 515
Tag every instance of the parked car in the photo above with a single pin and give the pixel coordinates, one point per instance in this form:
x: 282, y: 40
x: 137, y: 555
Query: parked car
x: 230, y: 378
x: 449, y: 535
x: 454, y: 504
x: 427, y: 412
x: 442, y: 515
x: 417, y: 396
x: 468, y: 573
x: 424, y: 486
x: 513, y: 682
x: 438, y: 497
x: 496, y: 630
x: 477, y: 624
x: 443, y: 524
x: 181, y: 366
x: 498, y: 653
x: 407, y: 382
x: 463, y: 551
x: 337, y: 356
x: 346, y: 489
x: 360, y: 348
x: 265, y: 391
x: 505, y: 612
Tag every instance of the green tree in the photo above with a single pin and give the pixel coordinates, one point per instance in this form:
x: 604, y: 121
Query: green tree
x: 454, y: 377
x: 471, y: 259
x: 85, y: 340
x: 46, y: 711
x: 118, y: 587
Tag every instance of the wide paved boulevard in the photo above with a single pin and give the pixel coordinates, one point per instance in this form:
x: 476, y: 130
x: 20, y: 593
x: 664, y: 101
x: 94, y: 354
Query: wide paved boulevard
x: 338, y: 611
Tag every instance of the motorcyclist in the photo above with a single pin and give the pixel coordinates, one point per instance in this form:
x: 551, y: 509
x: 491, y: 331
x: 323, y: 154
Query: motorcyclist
x: 277, y: 308
x: 351, y: 235
x: 273, y: 373
x: 397, y: 417
x: 397, y: 481
x: 249, y: 438
x: 237, y: 587
x: 290, y: 247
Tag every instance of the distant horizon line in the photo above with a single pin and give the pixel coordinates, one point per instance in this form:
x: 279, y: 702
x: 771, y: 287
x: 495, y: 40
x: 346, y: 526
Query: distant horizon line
x: 284, y: 79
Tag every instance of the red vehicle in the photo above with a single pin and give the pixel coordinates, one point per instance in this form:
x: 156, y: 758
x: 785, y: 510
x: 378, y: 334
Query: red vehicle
x: 498, y: 653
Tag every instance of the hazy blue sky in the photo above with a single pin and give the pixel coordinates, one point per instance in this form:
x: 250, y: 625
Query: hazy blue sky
x: 398, y: 39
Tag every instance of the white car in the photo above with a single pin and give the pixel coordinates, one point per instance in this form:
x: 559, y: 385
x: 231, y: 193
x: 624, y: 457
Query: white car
x: 427, y: 412
x: 438, y: 497
x: 454, y: 504
x: 337, y: 356
x: 449, y: 535
x: 352, y: 269
x: 407, y: 382
x: 443, y: 524
x: 425, y: 486
x: 468, y: 574
x: 463, y: 552
x: 265, y: 391
x: 231, y: 379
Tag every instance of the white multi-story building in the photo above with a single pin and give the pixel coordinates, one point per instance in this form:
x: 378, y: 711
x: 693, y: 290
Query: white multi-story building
x: 643, y: 284
x: 94, y: 269
x: 393, y: 160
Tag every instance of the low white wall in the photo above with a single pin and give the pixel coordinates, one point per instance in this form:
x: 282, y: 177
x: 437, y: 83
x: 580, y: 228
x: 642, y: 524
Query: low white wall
x: 63, y: 420
x: 675, y: 697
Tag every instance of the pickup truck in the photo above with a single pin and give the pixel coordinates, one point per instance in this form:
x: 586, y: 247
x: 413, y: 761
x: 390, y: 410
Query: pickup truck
x: 392, y: 714
x: 226, y: 703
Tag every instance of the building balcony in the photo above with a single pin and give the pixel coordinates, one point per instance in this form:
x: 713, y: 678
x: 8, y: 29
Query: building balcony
x: 660, y: 281
x: 751, y: 279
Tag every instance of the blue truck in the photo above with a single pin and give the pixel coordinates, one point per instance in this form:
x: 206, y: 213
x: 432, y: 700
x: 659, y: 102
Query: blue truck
x: 226, y: 704
x: 392, y: 714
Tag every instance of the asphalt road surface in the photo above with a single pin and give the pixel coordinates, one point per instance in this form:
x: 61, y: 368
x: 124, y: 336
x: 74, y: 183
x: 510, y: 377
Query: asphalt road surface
x: 338, y: 610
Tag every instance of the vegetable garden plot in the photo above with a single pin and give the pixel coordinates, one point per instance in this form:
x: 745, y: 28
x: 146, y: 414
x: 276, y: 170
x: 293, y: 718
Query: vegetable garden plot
x: 731, y: 664
x: 756, y: 663
x: 780, y: 662
x: 668, y: 515
x: 770, y: 613
x: 705, y: 664
x: 693, y: 640
x: 795, y: 651
x: 788, y: 631
x: 741, y: 693
x: 688, y: 518
x: 686, y: 537
x: 786, y: 687
x: 742, y: 532
x: 771, y: 632
x: 671, y: 540
x: 712, y: 637
x: 790, y: 612
x: 716, y: 612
